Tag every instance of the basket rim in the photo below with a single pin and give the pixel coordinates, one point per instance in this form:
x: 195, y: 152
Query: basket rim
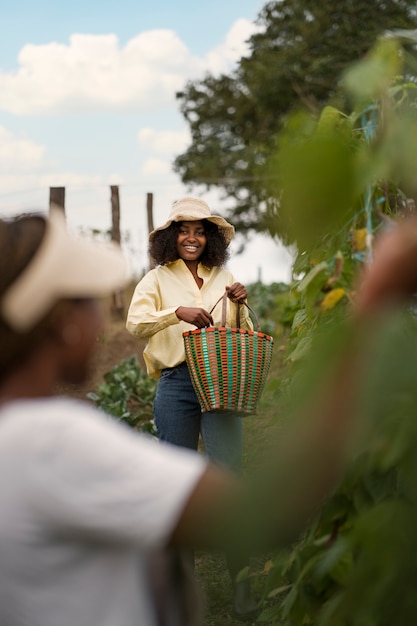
x: 240, y: 331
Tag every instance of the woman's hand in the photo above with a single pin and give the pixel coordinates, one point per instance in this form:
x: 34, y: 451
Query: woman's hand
x: 392, y: 274
x: 237, y: 292
x: 193, y: 315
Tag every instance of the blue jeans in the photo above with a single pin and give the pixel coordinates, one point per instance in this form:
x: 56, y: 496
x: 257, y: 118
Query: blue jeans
x: 179, y: 420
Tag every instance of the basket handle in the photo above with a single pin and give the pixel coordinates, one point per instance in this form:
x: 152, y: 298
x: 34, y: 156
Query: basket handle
x: 223, y: 300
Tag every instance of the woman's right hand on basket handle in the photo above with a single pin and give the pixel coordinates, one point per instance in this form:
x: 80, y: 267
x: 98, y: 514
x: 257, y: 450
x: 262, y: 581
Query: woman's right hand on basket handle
x: 237, y: 292
x: 194, y: 315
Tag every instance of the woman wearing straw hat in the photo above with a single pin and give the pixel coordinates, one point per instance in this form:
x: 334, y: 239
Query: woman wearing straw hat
x: 190, y: 250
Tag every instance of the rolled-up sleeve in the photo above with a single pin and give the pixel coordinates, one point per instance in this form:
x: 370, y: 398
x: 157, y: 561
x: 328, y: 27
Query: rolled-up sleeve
x: 145, y: 316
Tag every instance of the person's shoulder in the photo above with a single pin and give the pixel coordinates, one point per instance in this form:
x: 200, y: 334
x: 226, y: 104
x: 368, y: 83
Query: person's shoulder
x: 156, y: 273
x: 222, y: 271
x: 36, y: 423
x: 149, y: 276
x: 59, y: 421
x: 172, y: 266
x: 53, y: 408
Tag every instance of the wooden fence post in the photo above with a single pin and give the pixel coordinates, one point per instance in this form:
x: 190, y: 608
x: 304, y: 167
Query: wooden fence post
x: 149, y: 211
x: 115, y: 214
x: 57, y: 198
x: 118, y: 296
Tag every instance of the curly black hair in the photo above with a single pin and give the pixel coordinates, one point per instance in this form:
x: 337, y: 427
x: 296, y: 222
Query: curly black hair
x: 20, y: 238
x: 163, y: 247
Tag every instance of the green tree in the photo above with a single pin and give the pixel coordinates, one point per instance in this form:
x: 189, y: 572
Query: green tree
x: 295, y: 59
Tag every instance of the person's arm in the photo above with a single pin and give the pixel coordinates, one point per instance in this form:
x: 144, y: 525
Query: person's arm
x: 236, y: 292
x: 202, y: 318
x: 273, y: 507
x: 197, y: 316
x: 145, y: 316
x: 391, y: 277
x: 311, y: 461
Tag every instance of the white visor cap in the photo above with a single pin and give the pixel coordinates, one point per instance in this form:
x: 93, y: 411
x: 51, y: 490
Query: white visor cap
x: 63, y: 267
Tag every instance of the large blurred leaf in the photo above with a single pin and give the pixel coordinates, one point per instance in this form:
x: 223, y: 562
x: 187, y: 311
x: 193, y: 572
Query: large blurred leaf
x: 393, y: 153
x: 303, y: 284
x: 318, y: 186
x: 370, y: 78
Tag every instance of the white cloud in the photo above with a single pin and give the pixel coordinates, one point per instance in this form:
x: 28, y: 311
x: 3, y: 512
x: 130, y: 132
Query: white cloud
x: 29, y: 191
x: 263, y: 259
x: 94, y: 73
x: 234, y: 48
x: 156, y: 167
x: 164, y: 141
x: 19, y: 153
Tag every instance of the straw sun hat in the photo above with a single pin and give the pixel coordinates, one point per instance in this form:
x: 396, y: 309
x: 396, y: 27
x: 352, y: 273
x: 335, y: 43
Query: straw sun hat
x: 191, y: 210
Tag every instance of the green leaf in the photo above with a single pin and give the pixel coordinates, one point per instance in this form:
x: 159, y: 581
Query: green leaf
x: 300, y: 319
x: 302, y: 348
x: 320, y: 267
x: 319, y: 187
x: 370, y: 77
x: 339, y: 562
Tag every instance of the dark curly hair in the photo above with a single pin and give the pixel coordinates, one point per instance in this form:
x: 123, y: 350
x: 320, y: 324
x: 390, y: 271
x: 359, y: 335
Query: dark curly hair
x: 163, y: 247
x: 20, y: 238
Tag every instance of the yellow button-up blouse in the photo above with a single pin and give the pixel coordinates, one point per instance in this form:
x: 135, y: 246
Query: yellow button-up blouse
x: 158, y: 295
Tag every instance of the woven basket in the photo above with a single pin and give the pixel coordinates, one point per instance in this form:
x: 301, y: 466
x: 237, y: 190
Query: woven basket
x: 228, y: 366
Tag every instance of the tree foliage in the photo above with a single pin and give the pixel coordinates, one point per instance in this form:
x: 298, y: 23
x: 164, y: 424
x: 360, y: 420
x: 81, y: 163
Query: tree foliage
x: 296, y: 58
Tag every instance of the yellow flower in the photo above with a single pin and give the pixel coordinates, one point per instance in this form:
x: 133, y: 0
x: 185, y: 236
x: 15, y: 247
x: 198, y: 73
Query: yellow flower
x: 332, y: 298
x: 359, y: 240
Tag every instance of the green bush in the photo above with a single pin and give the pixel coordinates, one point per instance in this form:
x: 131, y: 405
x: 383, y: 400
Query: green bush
x: 127, y: 393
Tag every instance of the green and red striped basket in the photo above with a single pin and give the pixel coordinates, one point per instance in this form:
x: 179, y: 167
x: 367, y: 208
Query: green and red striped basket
x: 228, y: 366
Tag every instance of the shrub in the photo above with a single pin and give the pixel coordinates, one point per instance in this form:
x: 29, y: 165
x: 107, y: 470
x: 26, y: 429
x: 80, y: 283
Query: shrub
x: 127, y: 393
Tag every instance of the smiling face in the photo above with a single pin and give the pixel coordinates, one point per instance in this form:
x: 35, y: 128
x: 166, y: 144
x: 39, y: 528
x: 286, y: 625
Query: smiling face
x: 191, y: 241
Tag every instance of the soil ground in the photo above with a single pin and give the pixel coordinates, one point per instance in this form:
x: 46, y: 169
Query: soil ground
x: 116, y: 344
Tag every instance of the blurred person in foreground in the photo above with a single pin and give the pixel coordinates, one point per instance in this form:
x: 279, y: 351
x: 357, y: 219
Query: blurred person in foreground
x: 90, y: 508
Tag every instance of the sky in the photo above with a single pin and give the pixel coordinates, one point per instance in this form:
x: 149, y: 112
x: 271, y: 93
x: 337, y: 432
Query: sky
x: 87, y: 100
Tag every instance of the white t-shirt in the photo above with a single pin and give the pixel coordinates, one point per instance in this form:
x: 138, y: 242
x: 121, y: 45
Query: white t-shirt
x: 84, y: 500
